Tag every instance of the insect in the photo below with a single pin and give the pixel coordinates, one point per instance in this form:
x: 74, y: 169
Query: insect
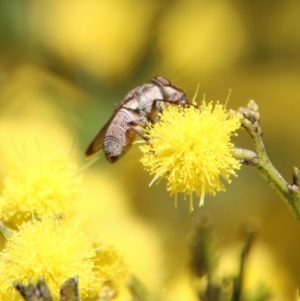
x: 140, y: 105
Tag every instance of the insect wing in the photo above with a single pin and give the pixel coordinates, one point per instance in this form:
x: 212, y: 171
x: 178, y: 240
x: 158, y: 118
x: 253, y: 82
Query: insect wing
x: 96, y: 145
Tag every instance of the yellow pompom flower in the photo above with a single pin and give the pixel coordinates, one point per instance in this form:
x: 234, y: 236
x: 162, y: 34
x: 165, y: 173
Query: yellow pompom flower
x: 50, y: 249
x: 191, y: 148
x: 110, y: 271
x: 39, y: 187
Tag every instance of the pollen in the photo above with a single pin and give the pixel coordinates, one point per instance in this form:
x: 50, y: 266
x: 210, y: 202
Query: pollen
x: 191, y: 148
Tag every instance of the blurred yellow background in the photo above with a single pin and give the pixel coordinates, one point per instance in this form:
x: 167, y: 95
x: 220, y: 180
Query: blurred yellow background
x: 65, y: 64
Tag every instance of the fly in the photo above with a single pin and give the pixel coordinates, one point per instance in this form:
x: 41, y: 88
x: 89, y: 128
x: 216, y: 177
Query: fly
x: 140, y: 105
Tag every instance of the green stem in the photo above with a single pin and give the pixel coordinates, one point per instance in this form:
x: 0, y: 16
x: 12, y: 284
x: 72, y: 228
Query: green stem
x: 138, y: 290
x: 289, y: 192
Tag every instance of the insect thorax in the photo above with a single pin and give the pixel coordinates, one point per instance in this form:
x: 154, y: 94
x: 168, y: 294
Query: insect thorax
x: 142, y: 99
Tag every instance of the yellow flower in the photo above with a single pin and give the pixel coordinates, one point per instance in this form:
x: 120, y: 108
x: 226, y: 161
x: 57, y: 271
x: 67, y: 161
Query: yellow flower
x: 191, y: 148
x: 110, y: 271
x: 48, y: 249
x: 40, y: 186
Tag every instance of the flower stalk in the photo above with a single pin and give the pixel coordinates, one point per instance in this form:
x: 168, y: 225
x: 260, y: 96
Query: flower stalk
x: 289, y: 192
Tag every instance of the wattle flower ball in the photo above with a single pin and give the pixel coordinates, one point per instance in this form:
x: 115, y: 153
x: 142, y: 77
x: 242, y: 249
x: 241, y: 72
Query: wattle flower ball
x: 191, y: 147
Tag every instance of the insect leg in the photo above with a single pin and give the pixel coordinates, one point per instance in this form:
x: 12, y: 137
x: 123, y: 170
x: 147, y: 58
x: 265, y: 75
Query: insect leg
x: 178, y: 102
x: 137, y: 126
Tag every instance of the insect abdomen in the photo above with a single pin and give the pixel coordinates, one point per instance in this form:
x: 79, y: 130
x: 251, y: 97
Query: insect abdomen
x: 119, y: 136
